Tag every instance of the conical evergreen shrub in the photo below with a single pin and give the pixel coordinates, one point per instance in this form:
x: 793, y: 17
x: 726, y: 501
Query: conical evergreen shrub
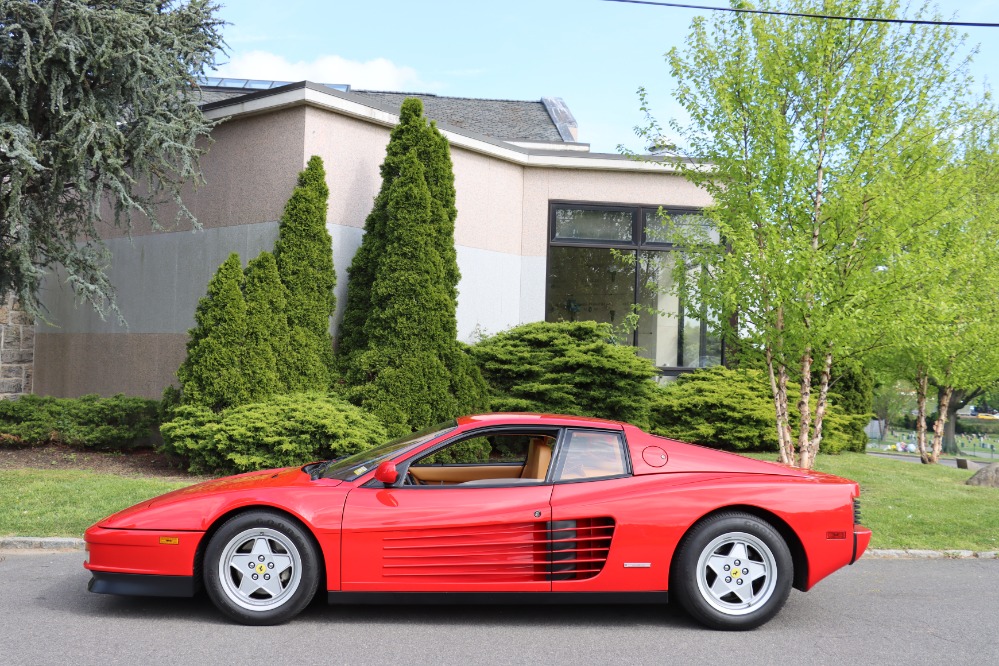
x: 304, y: 255
x: 213, y: 373
x: 413, y: 372
x: 266, y: 328
x: 413, y: 133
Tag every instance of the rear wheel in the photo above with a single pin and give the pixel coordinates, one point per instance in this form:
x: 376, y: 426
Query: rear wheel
x: 261, y: 568
x: 733, y: 571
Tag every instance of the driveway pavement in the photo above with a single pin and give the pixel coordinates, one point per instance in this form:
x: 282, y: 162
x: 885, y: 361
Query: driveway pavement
x: 877, y: 611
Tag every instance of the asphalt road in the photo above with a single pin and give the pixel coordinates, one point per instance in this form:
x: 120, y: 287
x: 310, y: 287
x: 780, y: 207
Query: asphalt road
x: 877, y: 611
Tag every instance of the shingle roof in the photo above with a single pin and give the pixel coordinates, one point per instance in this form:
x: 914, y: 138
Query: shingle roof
x: 509, y: 120
x: 544, y: 121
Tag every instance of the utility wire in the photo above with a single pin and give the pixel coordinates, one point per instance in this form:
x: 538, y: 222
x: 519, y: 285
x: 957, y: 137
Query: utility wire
x: 964, y: 24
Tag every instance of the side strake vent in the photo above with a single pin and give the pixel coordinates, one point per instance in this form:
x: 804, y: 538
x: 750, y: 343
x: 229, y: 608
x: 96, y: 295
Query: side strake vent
x: 856, y: 511
x: 515, y: 552
x: 579, y: 547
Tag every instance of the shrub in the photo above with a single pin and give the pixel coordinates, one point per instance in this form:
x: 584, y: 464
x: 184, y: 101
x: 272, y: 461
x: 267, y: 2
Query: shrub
x: 304, y: 255
x: 852, y: 390
x: 566, y: 368
x: 733, y: 410
x: 115, y: 423
x: 281, y: 431
x: 213, y: 374
x: 266, y: 328
x: 412, y: 372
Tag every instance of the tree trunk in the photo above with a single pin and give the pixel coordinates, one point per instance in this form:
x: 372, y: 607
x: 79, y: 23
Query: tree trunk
x: 938, y: 427
x: 921, y: 387
x: 805, y: 409
x: 778, y: 388
x: 820, y: 410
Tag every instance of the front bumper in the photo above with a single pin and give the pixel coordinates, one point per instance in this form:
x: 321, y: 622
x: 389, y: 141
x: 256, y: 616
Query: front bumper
x: 141, y: 552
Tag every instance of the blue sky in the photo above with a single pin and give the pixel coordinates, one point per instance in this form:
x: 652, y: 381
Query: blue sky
x: 591, y: 53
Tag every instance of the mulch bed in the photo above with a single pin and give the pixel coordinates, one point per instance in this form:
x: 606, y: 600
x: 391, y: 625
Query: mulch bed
x: 139, y: 463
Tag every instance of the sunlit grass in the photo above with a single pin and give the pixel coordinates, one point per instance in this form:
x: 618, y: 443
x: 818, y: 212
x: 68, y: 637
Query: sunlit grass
x: 917, y: 506
x: 41, y: 503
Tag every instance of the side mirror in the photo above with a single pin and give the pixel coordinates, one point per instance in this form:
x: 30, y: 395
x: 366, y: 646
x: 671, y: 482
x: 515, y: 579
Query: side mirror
x: 387, y: 473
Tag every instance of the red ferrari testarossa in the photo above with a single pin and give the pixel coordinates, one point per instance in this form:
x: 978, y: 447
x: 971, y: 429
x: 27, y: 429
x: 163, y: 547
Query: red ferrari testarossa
x: 495, y: 508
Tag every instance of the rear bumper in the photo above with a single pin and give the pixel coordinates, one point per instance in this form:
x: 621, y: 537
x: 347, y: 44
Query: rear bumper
x: 861, y: 538
x: 140, y: 585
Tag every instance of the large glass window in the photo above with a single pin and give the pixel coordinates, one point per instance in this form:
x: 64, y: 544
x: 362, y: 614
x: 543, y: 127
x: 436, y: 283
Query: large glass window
x: 586, y: 281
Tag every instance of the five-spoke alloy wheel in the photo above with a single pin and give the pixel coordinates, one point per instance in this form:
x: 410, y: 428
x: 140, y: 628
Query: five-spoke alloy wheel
x: 261, y: 568
x: 734, y: 571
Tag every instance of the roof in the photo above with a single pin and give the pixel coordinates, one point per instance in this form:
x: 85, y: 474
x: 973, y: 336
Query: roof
x: 547, y: 120
x: 510, y: 120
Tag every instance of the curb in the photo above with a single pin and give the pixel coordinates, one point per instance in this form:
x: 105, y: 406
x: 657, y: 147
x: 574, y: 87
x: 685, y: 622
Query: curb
x: 40, y: 543
x: 66, y: 543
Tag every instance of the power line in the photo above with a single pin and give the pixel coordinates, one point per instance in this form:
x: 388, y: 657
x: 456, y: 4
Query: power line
x: 964, y: 24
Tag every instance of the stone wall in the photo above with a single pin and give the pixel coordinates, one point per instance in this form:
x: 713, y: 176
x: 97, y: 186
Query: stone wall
x: 17, y: 349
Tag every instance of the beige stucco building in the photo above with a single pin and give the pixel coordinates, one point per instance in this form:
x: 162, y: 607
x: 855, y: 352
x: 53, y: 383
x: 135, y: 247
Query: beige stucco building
x: 536, y: 214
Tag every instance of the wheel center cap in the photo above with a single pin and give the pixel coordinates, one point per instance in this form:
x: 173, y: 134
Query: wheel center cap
x: 261, y: 568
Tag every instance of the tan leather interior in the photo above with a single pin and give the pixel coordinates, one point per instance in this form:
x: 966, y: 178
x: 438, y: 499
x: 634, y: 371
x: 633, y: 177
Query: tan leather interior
x: 448, y: 474
x: 539, y: 455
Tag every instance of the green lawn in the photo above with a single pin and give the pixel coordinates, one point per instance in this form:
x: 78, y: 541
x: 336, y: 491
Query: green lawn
x: 916, y: 506
x: 905, y: 504
x: 35, y: 502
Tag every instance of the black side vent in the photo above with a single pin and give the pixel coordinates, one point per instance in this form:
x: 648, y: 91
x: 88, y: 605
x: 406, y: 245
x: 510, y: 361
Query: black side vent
x: 856, y: 511
x: 579, y: 547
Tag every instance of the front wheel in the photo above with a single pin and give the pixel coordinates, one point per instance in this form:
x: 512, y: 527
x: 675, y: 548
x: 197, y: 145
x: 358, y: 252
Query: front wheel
x: 261, y: 568
x: 733, y: 571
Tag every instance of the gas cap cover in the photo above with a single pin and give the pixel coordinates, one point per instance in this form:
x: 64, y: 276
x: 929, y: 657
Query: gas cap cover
x: 654, y: 456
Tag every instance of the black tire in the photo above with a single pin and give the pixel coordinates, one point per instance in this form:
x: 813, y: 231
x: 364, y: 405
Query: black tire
x: 281, y: 568
x: 732, y: 572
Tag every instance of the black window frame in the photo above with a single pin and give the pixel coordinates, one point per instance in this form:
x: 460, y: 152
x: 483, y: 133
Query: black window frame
x: 638, y: 244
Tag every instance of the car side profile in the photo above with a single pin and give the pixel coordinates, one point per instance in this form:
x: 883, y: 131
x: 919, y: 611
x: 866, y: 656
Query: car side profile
x: 494, y: 508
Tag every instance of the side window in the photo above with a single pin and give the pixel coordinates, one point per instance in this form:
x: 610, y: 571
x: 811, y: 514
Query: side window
x: 592, y: 455
x: 490, y: 458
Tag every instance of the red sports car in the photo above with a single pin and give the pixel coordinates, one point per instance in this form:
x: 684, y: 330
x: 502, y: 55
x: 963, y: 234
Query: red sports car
x: 498, y: 507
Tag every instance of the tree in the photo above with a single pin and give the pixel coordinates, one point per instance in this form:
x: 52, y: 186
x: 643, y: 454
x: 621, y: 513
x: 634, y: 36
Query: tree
x: 412, y: 133
x: 827, y: 143
x: 213, y: 374
x: 95, y: 110
x: 266, y: 328
x: 950, y: 334
x: 413, y: 372
x: 304, y: 255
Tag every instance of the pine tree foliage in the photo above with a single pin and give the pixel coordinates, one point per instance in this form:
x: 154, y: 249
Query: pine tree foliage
x: 412, y: 133
x: 413, y: 372
x: 266, y: 327
x: 96, y: 107
x: 213, y: 374
x: 304, y: 254
x: 566, y: 368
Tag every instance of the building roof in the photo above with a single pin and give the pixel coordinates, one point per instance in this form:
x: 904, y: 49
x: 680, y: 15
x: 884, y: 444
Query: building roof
x: 547, y: 120
x: 509, y: 120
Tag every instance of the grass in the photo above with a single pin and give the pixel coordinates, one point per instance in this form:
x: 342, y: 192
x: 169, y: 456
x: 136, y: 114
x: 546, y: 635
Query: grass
x: 35, y: 502
x: 906, y: 505
x: 919, y: 506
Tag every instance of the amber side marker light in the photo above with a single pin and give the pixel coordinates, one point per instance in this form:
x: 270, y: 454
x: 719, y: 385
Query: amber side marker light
x: 169, y: 541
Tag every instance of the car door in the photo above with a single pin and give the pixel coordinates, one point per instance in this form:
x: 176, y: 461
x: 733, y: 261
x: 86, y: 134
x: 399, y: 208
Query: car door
x: 484, y: 535
x: 603, y: 537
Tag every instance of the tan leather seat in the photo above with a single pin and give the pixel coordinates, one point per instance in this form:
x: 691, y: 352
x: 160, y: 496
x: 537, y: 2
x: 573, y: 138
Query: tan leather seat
x: 539, y: 455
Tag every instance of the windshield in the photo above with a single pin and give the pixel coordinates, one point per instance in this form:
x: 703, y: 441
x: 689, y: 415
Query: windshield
x: 354, y: 466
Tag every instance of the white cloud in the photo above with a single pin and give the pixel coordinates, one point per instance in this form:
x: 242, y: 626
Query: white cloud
x: 377, y: 74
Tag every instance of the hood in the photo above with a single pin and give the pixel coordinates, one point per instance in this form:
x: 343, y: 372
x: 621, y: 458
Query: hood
x: 207, y: 497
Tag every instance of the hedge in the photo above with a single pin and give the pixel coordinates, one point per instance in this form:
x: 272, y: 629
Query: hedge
x: 93, y: 422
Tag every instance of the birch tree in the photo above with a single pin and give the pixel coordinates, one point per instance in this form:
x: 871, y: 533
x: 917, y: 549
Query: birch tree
x: 826, y: 142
